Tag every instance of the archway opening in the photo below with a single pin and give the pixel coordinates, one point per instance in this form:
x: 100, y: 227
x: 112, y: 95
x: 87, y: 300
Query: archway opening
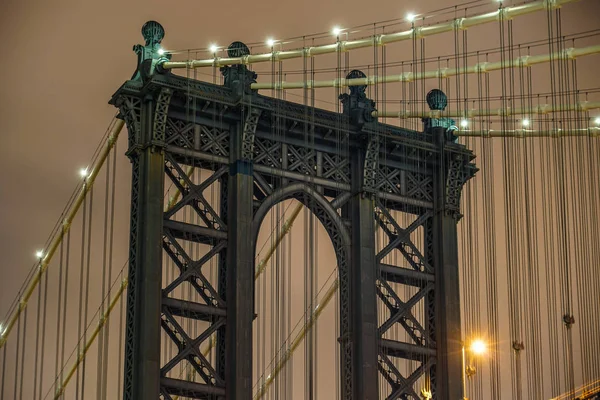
x: 296, y: 325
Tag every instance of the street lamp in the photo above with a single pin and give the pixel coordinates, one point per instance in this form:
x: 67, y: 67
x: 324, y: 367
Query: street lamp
x: 478, y: 347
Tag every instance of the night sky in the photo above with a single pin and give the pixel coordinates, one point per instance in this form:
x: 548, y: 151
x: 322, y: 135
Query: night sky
x: 62, y: 61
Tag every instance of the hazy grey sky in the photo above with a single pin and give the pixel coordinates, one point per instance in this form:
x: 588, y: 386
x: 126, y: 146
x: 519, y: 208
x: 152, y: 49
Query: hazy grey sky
x: 62, y: 60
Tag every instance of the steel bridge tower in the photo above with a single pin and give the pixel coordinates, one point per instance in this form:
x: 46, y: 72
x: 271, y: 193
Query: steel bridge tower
x: 173, y: 122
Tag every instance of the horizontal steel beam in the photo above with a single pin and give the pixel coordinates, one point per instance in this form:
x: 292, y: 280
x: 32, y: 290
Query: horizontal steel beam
x: 405, y: 350
x: 270, y: 171
x: 189, y: 309
x: 193, y: 233
x: 405, y: 276
x: 190, y: 389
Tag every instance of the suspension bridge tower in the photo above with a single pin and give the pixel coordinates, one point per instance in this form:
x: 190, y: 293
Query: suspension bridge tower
x: 228, y: 131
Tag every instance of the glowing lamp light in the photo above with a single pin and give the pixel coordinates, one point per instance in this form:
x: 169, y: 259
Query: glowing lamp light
x: 270, y: 42
x: 39, y: 254
x: 213, y: 48
x: 336, y: 30
x: 478, y: 347
x: 526, y: 122
x: 410, y: 17
x: 597, y: 120
x: 161, y: 51
x: 83, y: 172
x: 426, y: 394
x: 464, y: 123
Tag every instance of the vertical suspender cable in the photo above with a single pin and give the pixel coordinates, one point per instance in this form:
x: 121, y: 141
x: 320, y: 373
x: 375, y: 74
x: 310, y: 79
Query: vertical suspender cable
x: 37, y: 338
x: 2, y: 380
x: 100, y: 361
x: 110, y: 266
x: 43, y: 337
x: 81, y: 323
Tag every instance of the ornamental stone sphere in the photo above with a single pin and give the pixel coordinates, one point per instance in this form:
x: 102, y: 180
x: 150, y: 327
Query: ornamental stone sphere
x: 357, y: 74
x: 237, y: 49
x: 437, y: 100
x: 153, y: 33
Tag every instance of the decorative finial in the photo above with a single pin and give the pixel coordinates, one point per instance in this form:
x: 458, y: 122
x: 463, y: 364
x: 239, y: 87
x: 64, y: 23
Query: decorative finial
x: 151, y: 55
x: 357, y: 74
x: 356, y: 104
x: 437, y: 100
x: 153, y: 33
x: 238, y: 77
x: 237, y: 49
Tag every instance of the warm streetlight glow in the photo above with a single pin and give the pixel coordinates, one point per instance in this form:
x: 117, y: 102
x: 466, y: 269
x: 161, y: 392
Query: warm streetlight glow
x: 464, y: 123
x: 525, y: 122
x: 83, y: 172
x: 410, y: 17
x: 270, y: 42
x: 597, y: 120
x: 39, y: 254
x: 336, y: 30
x: 478, y: 347
x: 213, y: 48
x: 161, y: 51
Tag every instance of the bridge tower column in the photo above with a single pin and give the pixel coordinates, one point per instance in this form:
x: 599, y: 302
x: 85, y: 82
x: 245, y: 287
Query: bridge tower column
x: 364, y: 340
x: 235, y: 340
x: 442, y: 248
x: 363, y: 304
x: 240, y: 272
x: 145, y: 113
x: 145, y: 116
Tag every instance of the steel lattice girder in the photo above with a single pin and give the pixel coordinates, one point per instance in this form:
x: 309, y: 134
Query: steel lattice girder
x: 401, y: 173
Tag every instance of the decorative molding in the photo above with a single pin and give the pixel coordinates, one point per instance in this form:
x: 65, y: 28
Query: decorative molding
x: 455, y: 180
x: 160, y: 115
x: 371, y: 164
x: 249, y: 133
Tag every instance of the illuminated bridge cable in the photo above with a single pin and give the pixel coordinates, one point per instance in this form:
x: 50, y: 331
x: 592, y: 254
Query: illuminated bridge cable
x: 504, y: 112
x: 426, y: 60
x: 59, y: 223
x: 461, y: 23
x: 440, y: 72
x: 70, y: 215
